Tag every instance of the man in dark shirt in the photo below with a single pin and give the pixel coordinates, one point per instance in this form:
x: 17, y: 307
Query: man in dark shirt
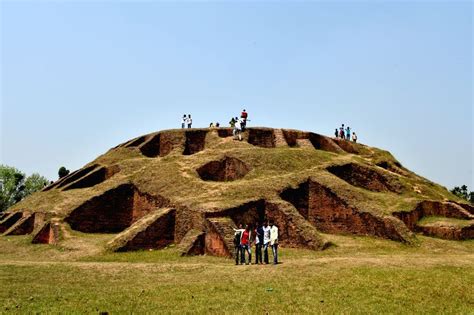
x: 258, y: 243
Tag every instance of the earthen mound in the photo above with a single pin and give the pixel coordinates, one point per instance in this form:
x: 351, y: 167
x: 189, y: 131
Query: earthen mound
x: 192, y: 187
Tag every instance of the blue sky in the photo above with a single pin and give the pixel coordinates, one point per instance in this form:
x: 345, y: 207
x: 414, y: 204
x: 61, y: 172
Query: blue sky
x: 77, y: 78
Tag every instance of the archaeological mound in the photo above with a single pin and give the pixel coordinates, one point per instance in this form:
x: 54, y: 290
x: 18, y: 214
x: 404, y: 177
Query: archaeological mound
x: 192, y: 187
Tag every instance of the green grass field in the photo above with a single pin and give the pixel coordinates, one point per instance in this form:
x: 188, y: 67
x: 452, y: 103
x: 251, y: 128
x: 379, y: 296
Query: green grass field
x: 361, y: 275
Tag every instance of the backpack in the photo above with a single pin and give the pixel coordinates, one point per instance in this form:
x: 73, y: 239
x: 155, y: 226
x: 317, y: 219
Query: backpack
x: 237, y: 237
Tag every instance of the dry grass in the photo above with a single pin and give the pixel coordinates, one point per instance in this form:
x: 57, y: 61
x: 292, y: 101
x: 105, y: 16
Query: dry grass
x: 361, y: 275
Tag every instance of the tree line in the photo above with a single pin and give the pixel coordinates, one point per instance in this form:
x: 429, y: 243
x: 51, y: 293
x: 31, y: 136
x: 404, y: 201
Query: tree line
x: 15, y: 185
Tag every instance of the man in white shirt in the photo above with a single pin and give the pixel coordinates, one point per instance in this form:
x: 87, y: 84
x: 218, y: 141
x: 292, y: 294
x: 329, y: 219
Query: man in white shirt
x: 274, y: 241
x: 238, y: 129
x: 266, y: 241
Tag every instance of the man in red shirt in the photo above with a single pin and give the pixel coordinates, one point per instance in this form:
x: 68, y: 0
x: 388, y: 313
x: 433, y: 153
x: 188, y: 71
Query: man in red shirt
x: 245, y: 244
x: 244, y: 116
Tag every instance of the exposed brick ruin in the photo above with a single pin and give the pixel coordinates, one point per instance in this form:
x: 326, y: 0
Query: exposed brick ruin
x: 113, y: 211
x: 348, y: 146
x: 135, y: 142
x: 224, y: 132
x: 219, y: 237
x: 9, y: 221
x: 324, y: 143
x: 193, y: 243
x: 432, y: 208
x: 153, y: 231
x: 226, y: 169
x: 49, y: 233
x: 330, y: 214
x: 149, y: 220
x: 261, y: 137
x: 94, y: 177
x: 366, y: 177
x: 292, y: 136
x: 448, y: 232
x: 151, y: 148
x: 195, y: 141
x: 66, y: 180
x: 23, y: 226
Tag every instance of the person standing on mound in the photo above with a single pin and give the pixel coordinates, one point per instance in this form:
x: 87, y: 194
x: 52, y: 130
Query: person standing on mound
x: 184, y: 121
x: 244, y: 116
x: 336, y: 133
x: 189, y: 121
x: 354, y: 137
x: 238, y: 129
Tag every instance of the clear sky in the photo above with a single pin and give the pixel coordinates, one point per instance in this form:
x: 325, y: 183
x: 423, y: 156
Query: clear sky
x: 78, y: 78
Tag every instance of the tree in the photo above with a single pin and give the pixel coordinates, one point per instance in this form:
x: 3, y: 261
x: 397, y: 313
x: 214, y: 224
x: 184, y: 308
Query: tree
x: 15, y: 185
x: 464, y: 193
x: 63, y: 172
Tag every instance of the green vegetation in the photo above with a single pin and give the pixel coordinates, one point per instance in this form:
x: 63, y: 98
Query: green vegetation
x: 464, y: 193
x: 63, y: 172
x: 361, y: 275
x: 15, y: 186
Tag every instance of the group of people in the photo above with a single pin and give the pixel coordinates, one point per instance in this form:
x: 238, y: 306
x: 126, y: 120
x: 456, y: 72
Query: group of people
x: 186, y: 121
x: 237, y: 124
x: 263, y: 236
x: 344, y: 133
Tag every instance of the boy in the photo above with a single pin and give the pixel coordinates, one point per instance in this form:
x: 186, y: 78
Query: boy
x: 266, y: 241
x: 237, y: 247
x: 274, y: 242
x: 258, y: 243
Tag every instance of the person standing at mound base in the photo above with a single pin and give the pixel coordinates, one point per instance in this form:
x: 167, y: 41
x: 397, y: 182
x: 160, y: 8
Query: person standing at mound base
x: 266, y: 241
x: 237, y: 248
x: 245, y: 243
x: 274, y: 241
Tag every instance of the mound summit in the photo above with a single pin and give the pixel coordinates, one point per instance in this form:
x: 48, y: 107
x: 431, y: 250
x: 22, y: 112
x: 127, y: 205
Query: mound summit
x: 189, y: 187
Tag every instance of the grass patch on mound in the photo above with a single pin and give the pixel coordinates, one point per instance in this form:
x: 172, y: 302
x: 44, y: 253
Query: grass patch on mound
x: 435, y: 220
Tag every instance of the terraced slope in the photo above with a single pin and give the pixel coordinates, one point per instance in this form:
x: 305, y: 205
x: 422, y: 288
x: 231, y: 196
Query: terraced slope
x: 191, y: 187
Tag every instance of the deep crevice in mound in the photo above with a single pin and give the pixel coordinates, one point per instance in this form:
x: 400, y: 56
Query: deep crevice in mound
x: 226, y: 169
x: 135, y: 142
x: 320, y: 142
x: 366, y: 177
x: 93, y: 178
x: 264, y: 138
x: 292, y: 136
x: 71, y: 177
x: 114, y: 210
x: 23, y: 226
x: 153, y: 231
x: 394, y: 167
x: 9, y: 221
x: 330, y: 214
x: 348, y: 146
x: 432, y: 208
x: 195, y: 141
x: 151, y: 148
x: 224, y: 132
x: 48, y: 234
